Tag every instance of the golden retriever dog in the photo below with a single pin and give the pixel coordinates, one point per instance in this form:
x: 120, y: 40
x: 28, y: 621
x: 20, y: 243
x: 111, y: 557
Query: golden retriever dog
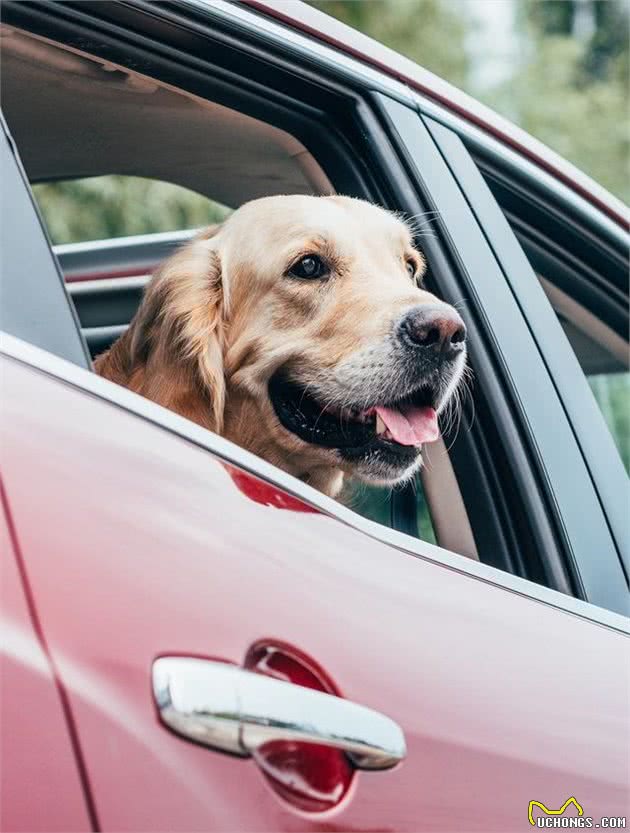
x: 299, y: 329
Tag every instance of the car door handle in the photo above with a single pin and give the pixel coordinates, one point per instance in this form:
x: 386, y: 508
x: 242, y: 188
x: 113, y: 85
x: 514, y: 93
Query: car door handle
x: 234, y: 710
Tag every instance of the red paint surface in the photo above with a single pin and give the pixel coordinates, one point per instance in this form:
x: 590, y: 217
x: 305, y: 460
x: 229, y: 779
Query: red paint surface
x: 40, y: 788
x: 109, y: 274
x: 139, y: 544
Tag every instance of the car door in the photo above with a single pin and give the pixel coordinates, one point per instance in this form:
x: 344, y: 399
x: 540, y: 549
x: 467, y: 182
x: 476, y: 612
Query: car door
x: 140, y: 543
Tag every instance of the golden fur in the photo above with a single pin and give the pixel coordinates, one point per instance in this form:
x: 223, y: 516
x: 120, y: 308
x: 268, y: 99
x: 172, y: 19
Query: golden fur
x: 221, y: 316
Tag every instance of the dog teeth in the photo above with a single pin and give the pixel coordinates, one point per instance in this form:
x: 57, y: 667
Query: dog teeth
x: 380, y: 425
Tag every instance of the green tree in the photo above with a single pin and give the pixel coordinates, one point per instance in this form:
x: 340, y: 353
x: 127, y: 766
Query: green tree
x: 612, y: 392
x: 570, y: 88
x: 601, y: 24
x: 569, y: 80
x: 583, y: 120
x: 431, y: 32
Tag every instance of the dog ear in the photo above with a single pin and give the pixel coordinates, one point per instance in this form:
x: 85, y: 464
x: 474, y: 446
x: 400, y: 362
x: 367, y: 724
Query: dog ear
x: 173, y: 350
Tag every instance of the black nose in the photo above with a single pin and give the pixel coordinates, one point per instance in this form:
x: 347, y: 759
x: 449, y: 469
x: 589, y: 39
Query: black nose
x: 438, y: 327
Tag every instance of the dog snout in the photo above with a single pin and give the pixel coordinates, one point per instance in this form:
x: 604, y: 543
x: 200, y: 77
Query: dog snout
x: 438, y: 328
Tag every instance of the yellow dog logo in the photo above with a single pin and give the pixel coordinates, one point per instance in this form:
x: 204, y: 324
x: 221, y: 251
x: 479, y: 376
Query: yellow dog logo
x: 549, y: 812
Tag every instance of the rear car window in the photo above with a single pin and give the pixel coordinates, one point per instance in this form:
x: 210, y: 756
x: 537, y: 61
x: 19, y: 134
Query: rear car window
x: 103, y: 207
x: 603, y: 357
x: 612, y: 392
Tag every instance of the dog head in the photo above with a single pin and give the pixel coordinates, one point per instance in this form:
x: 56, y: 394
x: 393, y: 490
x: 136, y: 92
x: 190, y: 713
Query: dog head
x: 300, y: 329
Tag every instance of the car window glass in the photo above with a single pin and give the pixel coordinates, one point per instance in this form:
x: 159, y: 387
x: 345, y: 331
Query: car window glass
x: 612, y: 392
x: 603, y: 354
x: 425, y: 525
x: 103, y: 207
x: 372, y: 502
x: 376, y: 504
x: 603, y: 357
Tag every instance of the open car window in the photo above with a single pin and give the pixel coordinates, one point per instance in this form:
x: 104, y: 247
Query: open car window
x: 218, y: 159
x: 118, y: 203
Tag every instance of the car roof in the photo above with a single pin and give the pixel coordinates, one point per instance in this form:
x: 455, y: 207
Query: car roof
x: 315, y: 23
x: 73, y: 114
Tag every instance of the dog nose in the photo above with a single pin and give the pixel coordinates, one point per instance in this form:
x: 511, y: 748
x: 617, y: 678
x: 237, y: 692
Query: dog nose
x: 437, y: 327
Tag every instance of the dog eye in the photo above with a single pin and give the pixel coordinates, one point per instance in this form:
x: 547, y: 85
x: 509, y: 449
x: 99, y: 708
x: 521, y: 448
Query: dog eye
x: 308, y: 267
x: 411, y: 268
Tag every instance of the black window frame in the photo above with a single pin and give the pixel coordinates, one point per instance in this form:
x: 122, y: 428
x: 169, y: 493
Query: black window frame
x: 592, y: 465
x: 588, y: 259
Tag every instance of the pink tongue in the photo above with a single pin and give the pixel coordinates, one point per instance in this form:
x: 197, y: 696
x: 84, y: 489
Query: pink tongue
x: 411, y: 425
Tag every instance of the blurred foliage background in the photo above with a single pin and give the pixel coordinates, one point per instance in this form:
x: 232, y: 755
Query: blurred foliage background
x: 558, y: 68
x: 612, y: 392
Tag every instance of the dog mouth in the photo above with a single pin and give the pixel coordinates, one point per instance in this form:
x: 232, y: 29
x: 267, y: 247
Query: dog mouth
x: 401, y: 425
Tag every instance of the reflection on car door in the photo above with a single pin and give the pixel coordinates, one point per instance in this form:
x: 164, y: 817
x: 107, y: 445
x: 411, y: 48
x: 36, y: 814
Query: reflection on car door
x: 40, y: 788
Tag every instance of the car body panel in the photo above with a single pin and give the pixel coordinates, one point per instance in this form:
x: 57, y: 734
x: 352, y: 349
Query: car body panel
x: 151, y: 548
x: 40, y: 788
x: 234, y: 457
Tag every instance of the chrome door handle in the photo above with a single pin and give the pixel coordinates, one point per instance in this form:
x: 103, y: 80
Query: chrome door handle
x: 229, y: 708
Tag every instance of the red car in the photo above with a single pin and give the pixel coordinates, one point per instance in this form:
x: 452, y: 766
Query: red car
x: 194, y: 640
